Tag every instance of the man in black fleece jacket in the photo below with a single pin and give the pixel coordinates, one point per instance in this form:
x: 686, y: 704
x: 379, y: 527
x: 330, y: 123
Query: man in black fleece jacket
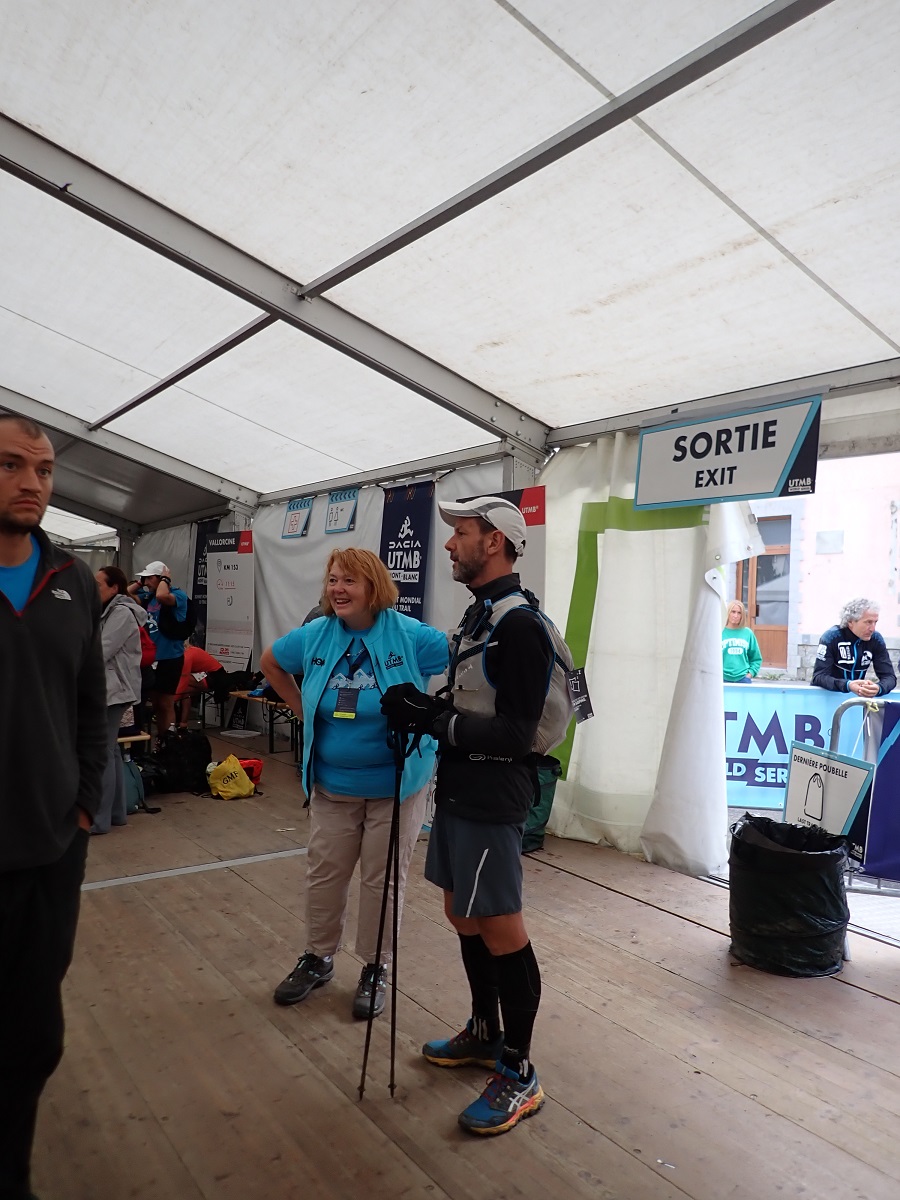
x: 499, y: 675
x: 52, y: 752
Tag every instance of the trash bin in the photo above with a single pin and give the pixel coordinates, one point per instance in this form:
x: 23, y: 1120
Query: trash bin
x: 788, y: 905
x: 536, y: 822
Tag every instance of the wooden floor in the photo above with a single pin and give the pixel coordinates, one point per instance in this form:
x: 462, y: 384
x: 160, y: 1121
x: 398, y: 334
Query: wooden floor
x: 669, y: 1071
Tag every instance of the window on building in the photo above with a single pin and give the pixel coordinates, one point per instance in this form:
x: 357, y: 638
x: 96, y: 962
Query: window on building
x: 763, y: 584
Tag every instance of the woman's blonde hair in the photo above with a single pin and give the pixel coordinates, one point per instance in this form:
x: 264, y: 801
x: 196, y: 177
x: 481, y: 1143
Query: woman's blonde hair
x: 381, y: 591
x: 743, y: 609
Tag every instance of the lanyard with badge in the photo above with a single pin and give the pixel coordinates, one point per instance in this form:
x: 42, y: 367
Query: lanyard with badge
x: 348, y: 697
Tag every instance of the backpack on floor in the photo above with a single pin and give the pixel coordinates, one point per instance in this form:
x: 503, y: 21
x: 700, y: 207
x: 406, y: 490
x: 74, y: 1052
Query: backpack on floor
x: 134, y: 786
x: 181, y: 762
x: 137, y: 787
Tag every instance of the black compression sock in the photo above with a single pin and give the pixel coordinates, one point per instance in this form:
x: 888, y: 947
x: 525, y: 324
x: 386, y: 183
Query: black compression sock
x: 481, y: 972
x: 519, y: 980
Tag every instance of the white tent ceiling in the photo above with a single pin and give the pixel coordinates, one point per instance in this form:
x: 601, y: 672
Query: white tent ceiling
x: 176, y: 171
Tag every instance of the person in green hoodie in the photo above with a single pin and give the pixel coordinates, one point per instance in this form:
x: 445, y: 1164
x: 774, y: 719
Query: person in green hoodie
x: 741, y: 656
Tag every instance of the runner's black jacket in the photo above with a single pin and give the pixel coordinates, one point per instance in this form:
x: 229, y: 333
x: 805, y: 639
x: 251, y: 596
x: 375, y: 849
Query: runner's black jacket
x: 842, y: 657
x: 52, y: 711
x: 487, y: 774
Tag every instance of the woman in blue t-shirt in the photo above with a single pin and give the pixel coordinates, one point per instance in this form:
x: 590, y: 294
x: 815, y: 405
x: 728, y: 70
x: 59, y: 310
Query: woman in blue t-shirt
x: 347, y: 658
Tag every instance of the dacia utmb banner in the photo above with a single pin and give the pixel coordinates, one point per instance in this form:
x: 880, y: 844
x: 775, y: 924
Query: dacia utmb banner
x: 405, y: 537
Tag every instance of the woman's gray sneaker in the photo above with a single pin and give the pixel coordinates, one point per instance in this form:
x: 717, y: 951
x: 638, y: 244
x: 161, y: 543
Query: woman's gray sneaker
x: 372, y: 976
x: 310, y: 972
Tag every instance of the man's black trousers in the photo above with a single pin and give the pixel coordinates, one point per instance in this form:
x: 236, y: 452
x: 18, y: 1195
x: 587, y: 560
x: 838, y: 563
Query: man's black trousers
x: 38, y: 918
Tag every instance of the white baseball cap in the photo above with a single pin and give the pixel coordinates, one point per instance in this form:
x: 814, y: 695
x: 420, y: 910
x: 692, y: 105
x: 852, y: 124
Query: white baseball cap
x: 502, y: 514
x: 154, y: 568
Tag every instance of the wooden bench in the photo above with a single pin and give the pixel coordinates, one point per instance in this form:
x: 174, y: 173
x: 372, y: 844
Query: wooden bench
x: 128, y: 741
x: 134, y: 737
x: 274, y: 710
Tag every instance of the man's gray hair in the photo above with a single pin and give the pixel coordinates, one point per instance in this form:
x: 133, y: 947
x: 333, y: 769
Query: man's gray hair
x: 854, y: 609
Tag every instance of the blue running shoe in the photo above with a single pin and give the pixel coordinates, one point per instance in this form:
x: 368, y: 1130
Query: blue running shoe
x: 463, y: 1050
x: 505, y: 1101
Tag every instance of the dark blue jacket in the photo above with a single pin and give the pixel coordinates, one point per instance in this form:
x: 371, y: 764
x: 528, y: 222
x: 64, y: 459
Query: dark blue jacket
x: 52, y: 710
x: 842, y: 657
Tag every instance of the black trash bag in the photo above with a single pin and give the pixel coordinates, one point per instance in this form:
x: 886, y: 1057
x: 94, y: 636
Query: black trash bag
x: 548, y: 772
x: 788, y: 905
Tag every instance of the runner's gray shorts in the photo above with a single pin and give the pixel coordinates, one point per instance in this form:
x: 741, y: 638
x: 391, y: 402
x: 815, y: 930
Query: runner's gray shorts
x: 481, y: 864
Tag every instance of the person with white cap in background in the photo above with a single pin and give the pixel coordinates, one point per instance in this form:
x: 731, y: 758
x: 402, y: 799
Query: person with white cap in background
x: 486, y: 779
x: 153, y: 587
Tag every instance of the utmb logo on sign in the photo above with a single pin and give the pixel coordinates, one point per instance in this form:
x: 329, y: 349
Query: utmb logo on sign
x: 760, y: 758
x: 756, y: 452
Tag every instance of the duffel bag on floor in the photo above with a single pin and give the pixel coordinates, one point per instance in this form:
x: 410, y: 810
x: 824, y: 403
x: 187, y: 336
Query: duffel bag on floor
x: 182, y: 761
x: 253, y: 767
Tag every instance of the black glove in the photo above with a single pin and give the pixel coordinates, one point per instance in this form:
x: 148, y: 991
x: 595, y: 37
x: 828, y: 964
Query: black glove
x: 409, y: 710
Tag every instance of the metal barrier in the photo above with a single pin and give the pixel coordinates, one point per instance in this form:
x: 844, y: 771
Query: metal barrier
x: 873, y: 720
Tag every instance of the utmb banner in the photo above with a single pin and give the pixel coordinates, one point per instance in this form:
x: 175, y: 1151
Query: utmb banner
x: 405, y: 537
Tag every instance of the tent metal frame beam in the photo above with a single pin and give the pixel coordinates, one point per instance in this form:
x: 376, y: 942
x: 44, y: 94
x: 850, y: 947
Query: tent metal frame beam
x: 115, y: 443
x: 78, y: 509
x: 257, y: 325
x: 865, y: 377
x: 200, y: 514
x: 58, y: 173
x: 439, y: 463
x: 768, y: 22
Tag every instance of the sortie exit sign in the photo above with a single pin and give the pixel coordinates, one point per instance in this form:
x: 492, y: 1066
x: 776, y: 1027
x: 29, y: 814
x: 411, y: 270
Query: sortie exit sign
x: 745, y: 455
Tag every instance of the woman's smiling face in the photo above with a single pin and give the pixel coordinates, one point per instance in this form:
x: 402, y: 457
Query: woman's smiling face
x: 349, y: 597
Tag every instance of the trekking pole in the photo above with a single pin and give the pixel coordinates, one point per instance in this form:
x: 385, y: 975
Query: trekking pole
x: 394, y: 938
x: 397, y: 740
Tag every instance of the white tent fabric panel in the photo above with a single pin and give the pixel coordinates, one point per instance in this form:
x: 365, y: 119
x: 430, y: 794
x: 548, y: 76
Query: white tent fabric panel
x: 621, y: 42
x: 610, y: 282
x: 801, y: 133
x: 641, y: 609
x: 685, y: 828
x: 301, y: 133
x: 57, y: 523
x: 88, y: 318
x: 284, y: 408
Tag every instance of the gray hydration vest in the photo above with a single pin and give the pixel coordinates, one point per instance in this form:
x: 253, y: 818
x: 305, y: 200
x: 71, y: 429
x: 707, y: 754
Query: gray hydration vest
x: 471, y: 689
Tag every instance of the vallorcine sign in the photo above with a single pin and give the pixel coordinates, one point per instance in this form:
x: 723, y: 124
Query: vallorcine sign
x: 757, y: 452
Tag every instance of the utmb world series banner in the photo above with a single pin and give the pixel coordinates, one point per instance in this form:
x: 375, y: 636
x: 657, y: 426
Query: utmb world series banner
x: 405, y: 538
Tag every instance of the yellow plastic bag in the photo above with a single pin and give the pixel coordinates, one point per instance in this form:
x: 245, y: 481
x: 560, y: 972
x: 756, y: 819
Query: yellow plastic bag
x: 229, y: 780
